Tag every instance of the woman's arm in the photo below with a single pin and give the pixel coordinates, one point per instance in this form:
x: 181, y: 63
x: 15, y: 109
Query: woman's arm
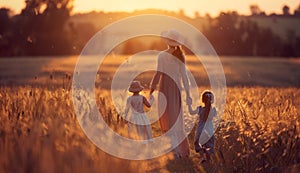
x: 185, y: 80
x: 157, y: 75
x: 154, y: 81
x: 145, y: 101
x: 191, y: 111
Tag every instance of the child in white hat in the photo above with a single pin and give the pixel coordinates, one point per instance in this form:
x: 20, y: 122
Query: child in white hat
x: 138, y: 119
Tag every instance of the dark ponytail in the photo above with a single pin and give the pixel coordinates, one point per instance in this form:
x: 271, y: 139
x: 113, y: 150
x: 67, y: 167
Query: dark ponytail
x: 207, y: 109
x: 178, y: 53
x: 207, y: 99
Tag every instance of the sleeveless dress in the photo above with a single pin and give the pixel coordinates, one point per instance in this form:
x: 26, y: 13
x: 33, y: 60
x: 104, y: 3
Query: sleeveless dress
x: 139, y: 121
x: 204, y: 138
x: 168, y: 80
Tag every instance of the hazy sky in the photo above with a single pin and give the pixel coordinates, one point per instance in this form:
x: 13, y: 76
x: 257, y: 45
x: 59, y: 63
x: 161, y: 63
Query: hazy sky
x: 212, y: 7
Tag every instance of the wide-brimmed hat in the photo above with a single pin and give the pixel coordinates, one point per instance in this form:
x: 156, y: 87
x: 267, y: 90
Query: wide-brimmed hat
x: 172, y: 37
x: 135, y: 86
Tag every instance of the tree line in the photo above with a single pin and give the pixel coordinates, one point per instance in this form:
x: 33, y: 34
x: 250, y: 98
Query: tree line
x: 232, y: 35
x: 39, y: 29
x: 44, y: 28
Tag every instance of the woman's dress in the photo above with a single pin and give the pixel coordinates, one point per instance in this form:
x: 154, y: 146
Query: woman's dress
x: 168, y: 80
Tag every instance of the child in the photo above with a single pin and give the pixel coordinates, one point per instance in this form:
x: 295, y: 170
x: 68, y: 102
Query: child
x: 205, y: 125
x: 138, y: 118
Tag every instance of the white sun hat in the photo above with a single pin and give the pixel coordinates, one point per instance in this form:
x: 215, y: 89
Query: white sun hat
x: 172, y: 37
x: 135, y: 87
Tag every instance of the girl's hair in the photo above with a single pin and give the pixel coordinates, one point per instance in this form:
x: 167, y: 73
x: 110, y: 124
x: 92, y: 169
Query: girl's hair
x: 178, y: 53
x: 207, y: 99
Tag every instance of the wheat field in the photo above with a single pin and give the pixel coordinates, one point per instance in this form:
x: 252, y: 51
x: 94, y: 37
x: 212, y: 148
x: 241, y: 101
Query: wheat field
x: 39, y: 132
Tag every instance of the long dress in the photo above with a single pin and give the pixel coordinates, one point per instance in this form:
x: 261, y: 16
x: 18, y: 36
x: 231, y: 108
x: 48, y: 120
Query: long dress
x: 139, y: 122
x: 170, y: 73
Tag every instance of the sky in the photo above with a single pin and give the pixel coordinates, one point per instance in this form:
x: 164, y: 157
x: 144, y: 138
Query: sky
x: 213, y: 7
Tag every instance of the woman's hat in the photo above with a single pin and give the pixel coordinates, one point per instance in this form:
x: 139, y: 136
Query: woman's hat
x: 135, y: 86
x: 172, y: 37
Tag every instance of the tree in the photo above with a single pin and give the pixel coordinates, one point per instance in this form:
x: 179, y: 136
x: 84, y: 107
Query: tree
x: 40, y: 27
x: 133, y: 46
x: 286, y: 10
x: 196, y: 15
x: 223, y: 33
x: 5, y: 32
x: 232, y: 35
x: 297, y: 11
x: 80, y: 35
x: 4, y: 20
x: 255, y: 10
x: 181, y: 12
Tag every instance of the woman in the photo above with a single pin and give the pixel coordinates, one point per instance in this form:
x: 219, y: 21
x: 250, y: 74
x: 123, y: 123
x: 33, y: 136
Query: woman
x: 171, y: 73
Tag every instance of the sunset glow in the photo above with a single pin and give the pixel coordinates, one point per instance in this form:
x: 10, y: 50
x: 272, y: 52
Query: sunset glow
x: 188, y: 6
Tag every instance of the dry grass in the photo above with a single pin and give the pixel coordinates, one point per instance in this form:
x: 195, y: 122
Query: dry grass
x: 260, y: 129
x: 39, y: 133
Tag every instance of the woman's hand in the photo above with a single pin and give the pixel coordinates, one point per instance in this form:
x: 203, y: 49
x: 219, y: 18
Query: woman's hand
x: 189, y: 100
x: 151, y: 99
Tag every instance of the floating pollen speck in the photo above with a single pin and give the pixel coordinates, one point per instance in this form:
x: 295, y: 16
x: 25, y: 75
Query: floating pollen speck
x: 29, y: 39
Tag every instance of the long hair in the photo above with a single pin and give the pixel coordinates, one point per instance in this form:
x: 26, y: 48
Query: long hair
x: 207, y: 99
x: 179, y: 54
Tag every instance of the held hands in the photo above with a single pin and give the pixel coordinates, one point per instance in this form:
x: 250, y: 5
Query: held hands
x: 151, y: 99
x: 149, y: 103
x: 189, y: 100
x: 125, y: 119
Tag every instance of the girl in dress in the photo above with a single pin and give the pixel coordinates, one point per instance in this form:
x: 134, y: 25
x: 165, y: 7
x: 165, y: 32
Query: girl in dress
x: 205, y: 144
x: 138, y: 119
